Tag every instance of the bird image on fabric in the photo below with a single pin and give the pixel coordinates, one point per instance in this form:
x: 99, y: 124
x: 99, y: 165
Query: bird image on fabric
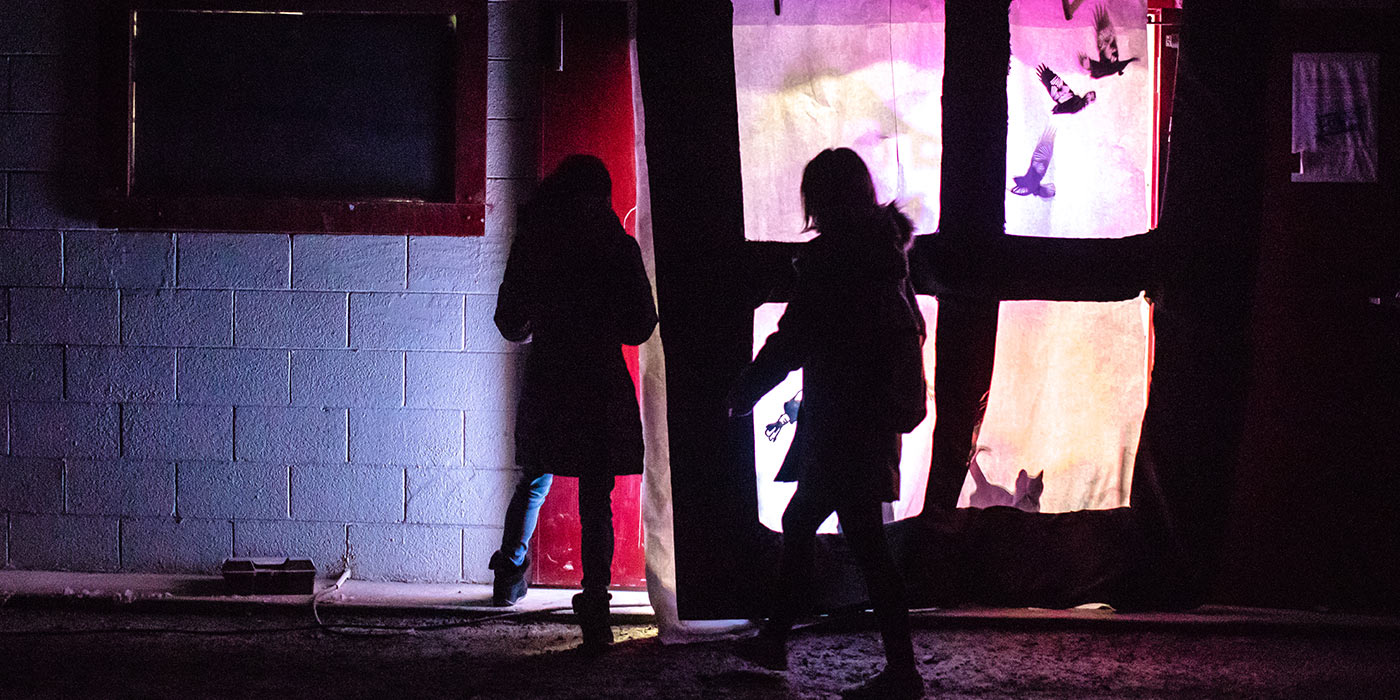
x: 1107, y: 62
x: 1066, y: 100
x: 1032, y: 182
x: 1069, y: 6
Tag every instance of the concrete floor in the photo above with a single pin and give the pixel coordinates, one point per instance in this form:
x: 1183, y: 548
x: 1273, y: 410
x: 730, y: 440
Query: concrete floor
x: 118, y: 635
x: 161, y: 592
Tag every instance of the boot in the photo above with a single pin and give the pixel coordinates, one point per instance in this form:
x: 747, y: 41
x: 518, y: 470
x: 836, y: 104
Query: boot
x: 592, y: 610
x: 510, y: 583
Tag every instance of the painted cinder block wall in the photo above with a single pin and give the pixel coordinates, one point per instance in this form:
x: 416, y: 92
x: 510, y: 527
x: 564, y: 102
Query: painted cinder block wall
x: 170, y: 399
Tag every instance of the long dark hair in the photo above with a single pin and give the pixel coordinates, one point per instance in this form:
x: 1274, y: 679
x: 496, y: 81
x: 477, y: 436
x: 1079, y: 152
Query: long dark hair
x: 836, y: 184
x: 578, y: 176
x: 839, y: 193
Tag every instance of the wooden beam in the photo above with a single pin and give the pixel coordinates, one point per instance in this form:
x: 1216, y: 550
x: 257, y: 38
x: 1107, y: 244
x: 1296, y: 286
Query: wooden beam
x: 978, y: 41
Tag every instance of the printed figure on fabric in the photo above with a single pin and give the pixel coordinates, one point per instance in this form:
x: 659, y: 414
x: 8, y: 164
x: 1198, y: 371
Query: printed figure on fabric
x: 1032, y: 183
x: 1067, y: 101
x: 1107, y: 63
x: 986, y: 494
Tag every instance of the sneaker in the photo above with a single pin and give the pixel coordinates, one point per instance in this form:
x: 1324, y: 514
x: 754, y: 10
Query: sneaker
x: 766, y: 650
x: 888, y: 685
x: 510, y: 583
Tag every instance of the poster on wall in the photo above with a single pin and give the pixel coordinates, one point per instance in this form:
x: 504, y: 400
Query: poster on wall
x: 1069, y: 385
x: 1334, y: 116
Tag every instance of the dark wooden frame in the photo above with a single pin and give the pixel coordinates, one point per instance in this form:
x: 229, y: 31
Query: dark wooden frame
x: 465, y: 215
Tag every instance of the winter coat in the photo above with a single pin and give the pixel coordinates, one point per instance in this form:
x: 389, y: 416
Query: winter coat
x: 575, y: 290
x: 853, y: 294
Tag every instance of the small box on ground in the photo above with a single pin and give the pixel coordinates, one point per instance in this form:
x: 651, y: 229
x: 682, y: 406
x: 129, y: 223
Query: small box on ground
x: 269, y: 576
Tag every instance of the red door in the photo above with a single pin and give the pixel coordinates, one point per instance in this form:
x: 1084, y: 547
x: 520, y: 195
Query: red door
x: 587, y: 108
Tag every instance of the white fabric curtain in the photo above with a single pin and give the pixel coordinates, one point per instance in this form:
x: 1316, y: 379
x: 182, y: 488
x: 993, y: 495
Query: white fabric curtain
x: 1068, y: 389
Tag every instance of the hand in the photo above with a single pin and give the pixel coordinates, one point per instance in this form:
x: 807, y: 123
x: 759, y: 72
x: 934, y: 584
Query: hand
x: 735, y: 406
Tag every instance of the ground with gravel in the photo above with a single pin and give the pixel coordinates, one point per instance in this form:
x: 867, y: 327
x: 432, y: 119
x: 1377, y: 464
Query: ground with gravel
x: 114, y: 654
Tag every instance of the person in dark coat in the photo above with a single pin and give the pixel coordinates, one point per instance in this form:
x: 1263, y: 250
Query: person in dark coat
x: 854, y: 328
x: 576, y: 291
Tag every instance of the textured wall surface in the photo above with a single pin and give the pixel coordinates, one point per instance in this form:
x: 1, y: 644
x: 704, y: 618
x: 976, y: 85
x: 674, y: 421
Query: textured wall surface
x: 170, y: 399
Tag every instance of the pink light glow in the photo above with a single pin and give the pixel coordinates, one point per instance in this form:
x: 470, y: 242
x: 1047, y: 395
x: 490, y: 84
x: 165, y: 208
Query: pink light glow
x: 1069, y: 385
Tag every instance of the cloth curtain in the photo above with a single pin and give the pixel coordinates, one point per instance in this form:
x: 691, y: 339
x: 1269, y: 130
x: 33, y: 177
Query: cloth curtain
x: 1068, y: 389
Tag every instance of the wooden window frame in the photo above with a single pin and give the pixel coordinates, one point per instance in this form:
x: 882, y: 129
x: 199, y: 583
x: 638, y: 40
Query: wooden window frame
x: 464, y: 215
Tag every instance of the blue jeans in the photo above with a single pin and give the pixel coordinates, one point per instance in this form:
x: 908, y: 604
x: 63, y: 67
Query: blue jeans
x: 522, y: 515
x: 595, y: 520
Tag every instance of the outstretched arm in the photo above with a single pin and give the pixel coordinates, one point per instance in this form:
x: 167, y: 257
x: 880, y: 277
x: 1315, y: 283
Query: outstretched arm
x: 782, y: 352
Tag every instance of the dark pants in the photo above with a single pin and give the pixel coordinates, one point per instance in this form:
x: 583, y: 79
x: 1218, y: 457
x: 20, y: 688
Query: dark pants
x: 864, y: 529
x: 595, y: 521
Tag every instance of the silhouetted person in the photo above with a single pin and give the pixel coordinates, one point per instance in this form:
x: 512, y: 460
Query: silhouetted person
x: 853, y: 299
x: 575, y: 290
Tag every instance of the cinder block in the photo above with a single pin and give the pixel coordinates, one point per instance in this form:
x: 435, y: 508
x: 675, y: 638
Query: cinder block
x: 175, y: 545
x: 512, y: 89
x: 31, y: 372
x: 118, y: 374
x: 458, y: 496
x: 239, y: 376
x: 359, y: 378
x: 490, y: 440
x: 456, y: 263
x: 69, y: 316
x: 231, y: 490
x: 31, y: 258
x: 406, y: 436
x: 290, y: 434
x: 504, y: 197
x: 323, y: 543
x: 511, y: 29
x: 406, y: 552
x: 31, y: 142
x: 50, y: 201
x: 234, y: 260
x: 63, y: 430
x: 353, y: 263
x: 107, y: 259
x: 35, y: 84
x: 121, y: 488
x: 291, y: 319
x: 511, y: 149
x: 63, y: 542
x: 463, y: 380
x: 347, y: 494
x: 177, y: 318
x: 478, y: 544
x: 406, y: 321
x: 166, y: 431
x: 481, y: 332
x: 31, y: 485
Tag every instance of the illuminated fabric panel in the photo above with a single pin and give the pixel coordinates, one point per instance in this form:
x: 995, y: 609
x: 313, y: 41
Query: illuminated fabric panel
x: 1069, y: 385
